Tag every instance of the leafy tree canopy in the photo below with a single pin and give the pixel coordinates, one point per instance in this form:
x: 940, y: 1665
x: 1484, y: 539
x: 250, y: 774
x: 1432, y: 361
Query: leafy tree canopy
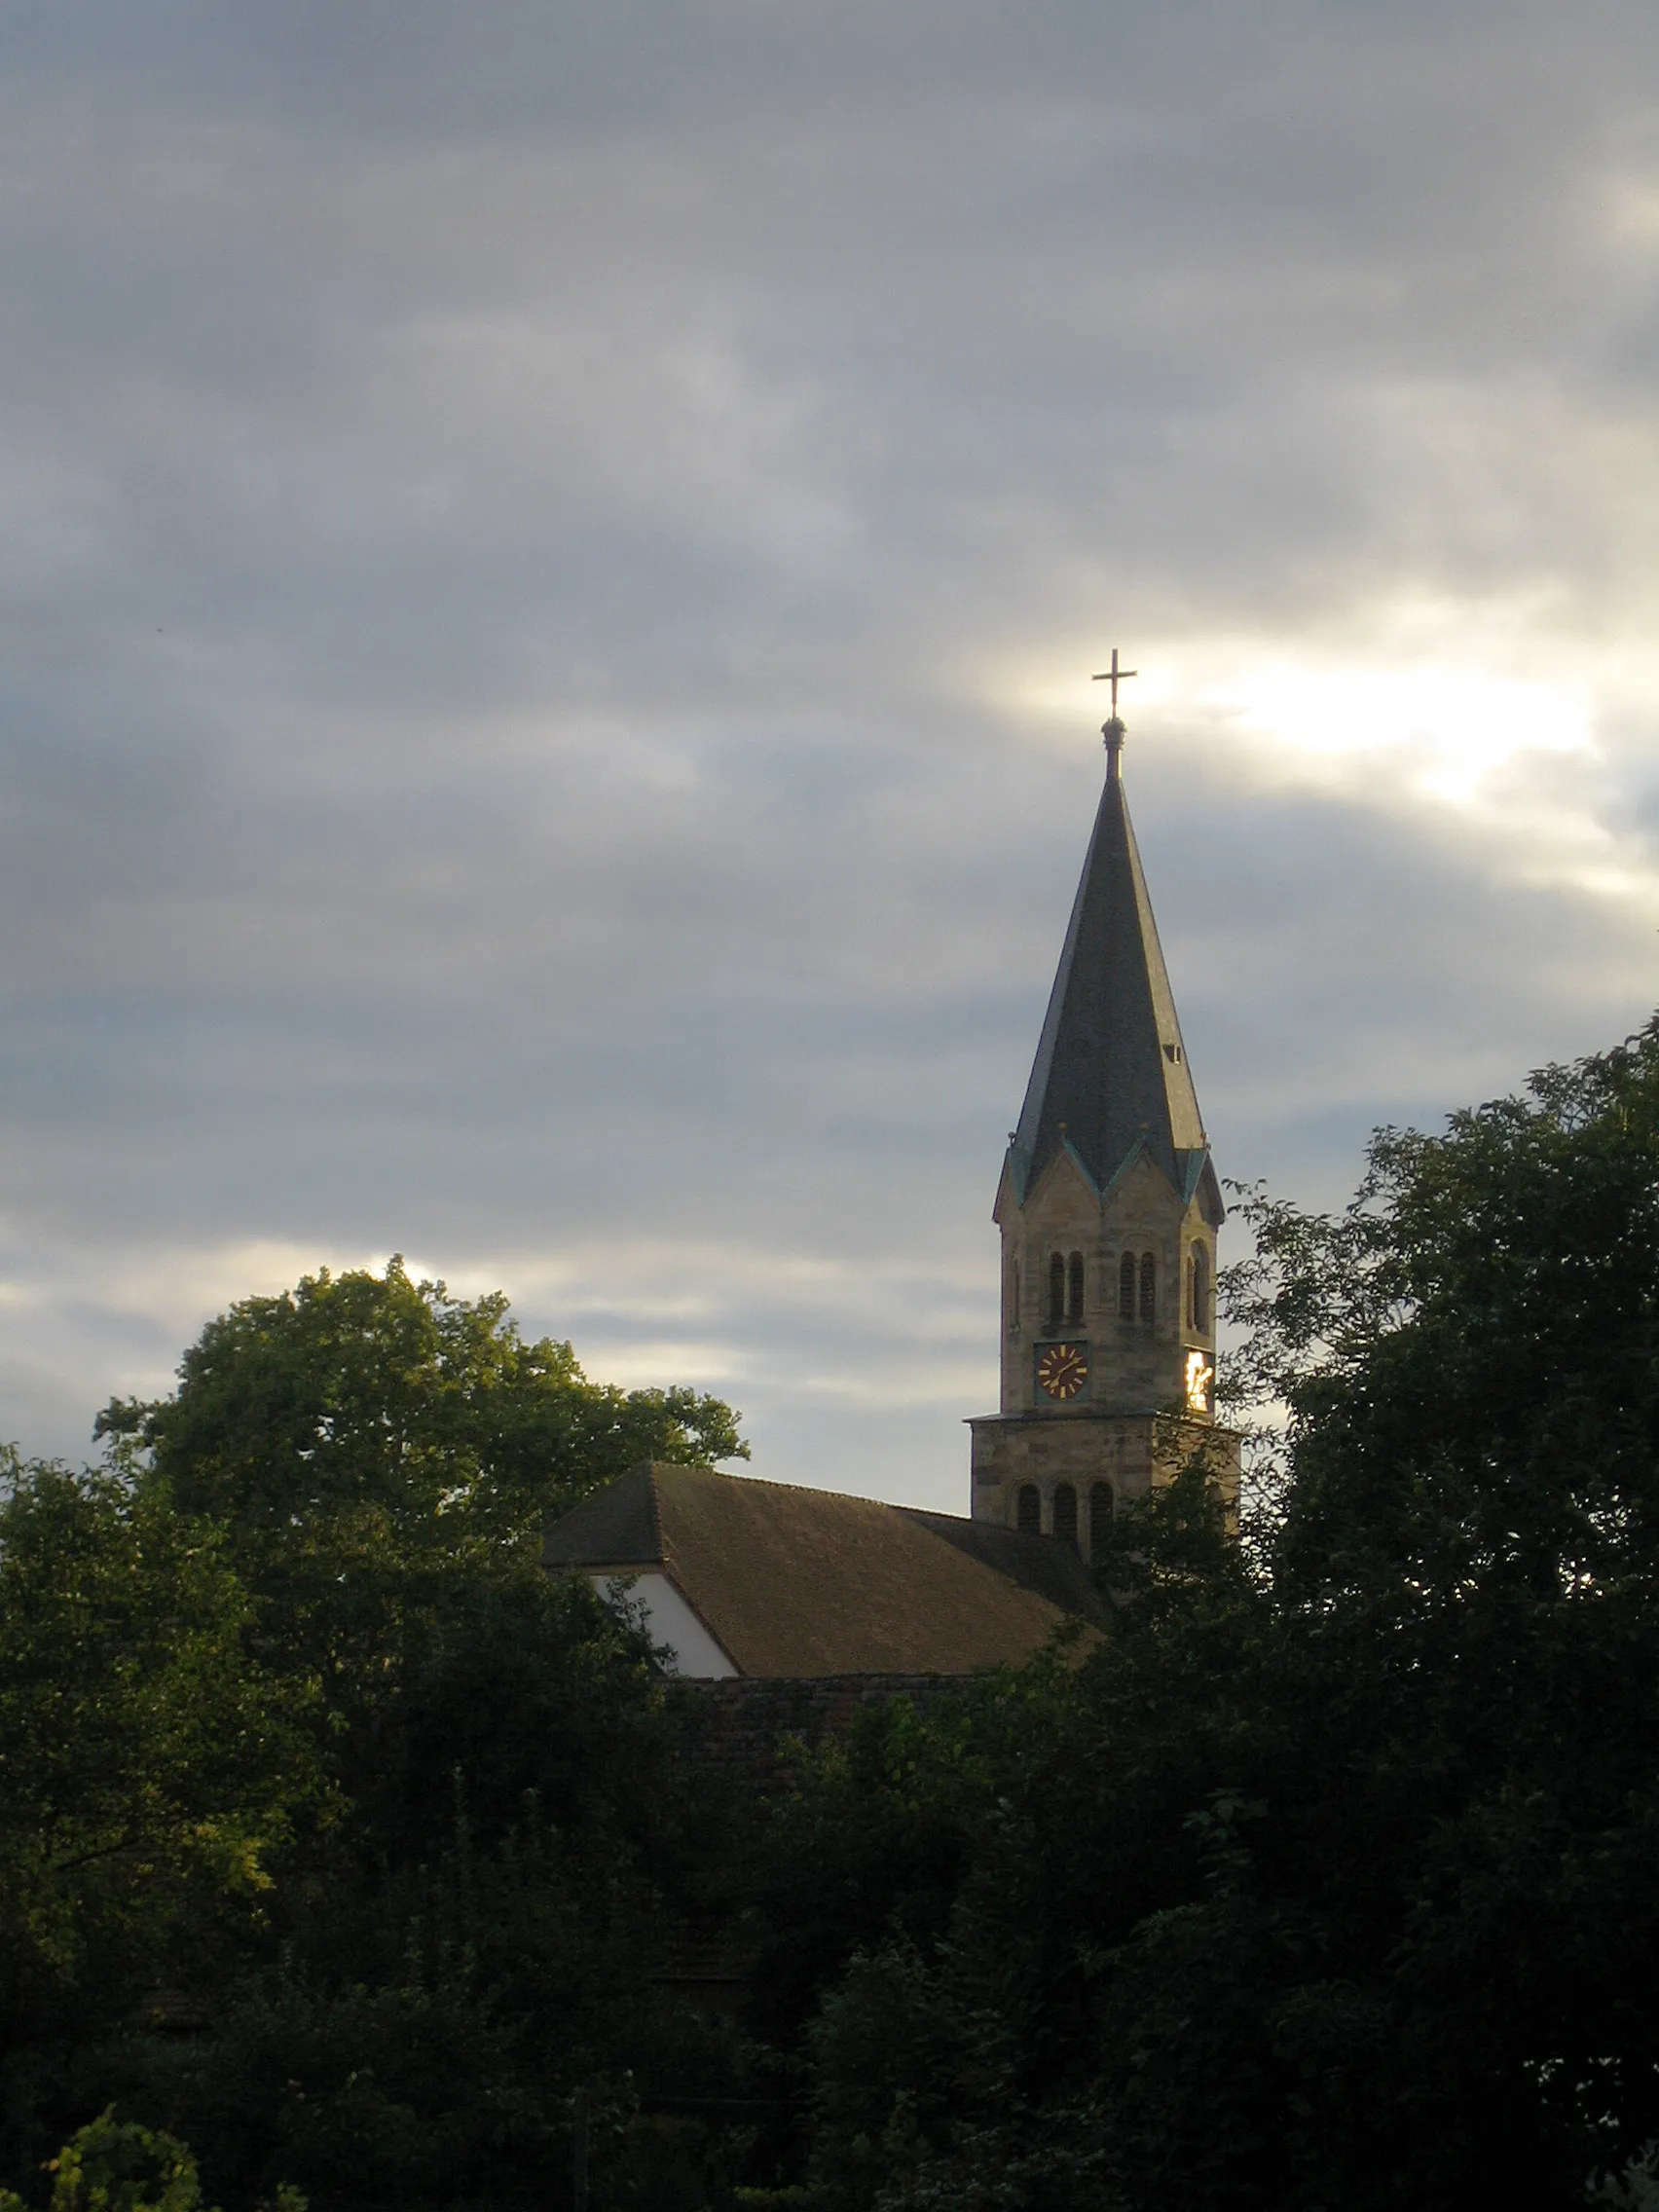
x: 151, y: 1765
x: 296, y: 1735
x: 111, y: 2165
x: 1470, y: 1354
x: 371, y: 1445
x: 1329, y: 1879
x: 387, y: 1401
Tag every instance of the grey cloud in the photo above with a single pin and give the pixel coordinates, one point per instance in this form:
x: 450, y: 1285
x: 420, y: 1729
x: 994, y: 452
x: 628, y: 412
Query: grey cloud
x: 511, y: 523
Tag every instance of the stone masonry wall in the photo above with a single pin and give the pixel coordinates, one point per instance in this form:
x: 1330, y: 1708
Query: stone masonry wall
x: 1132, y: 1453
x: 1136, y: 1365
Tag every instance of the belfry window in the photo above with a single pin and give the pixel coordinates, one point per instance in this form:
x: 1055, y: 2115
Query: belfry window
x: 1065, y: 1513
x: 1056, y: 1290
x: 1126, y: 1287
x: 1201, y: 1288
x: 1149, y: 1287
x: 1028, y: 1510
x: 1101, y: 1503
x: 1013, y: 1299
x: 1074, y: 1287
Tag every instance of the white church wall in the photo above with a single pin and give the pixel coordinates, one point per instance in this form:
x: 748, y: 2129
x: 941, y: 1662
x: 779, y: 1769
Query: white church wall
x: 669, y: 1620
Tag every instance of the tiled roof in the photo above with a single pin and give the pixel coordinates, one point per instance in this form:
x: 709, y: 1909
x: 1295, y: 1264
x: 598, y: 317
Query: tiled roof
x: 798, y: 1582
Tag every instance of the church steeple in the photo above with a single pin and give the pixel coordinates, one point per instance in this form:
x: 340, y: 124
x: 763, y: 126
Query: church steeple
x: 1109, y: 1208
x: 1111, y: 1073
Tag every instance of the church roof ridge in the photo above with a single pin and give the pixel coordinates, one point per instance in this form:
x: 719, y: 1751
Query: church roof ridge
x: 766, y: 1481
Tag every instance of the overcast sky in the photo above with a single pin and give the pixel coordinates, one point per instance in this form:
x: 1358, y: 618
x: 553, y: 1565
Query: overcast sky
x: 551, y: 561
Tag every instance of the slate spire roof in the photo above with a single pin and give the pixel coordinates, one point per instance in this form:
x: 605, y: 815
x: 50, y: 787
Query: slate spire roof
x: 1111, y: 1071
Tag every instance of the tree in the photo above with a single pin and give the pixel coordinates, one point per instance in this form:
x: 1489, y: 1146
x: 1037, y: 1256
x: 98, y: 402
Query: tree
x: 1329, y: 1879
x: 111, y: 2165
x: 152, y: 1769
x: 377, y: 1399
x: 294, y: 1728
x: 1470, y: 1356
x: 369, y: 1443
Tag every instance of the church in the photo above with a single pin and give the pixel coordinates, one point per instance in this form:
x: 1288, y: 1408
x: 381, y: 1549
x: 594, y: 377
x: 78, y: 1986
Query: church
x: 1109, y: 1209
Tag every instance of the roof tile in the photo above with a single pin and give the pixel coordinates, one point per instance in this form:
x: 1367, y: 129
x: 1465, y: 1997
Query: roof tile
x: 798, y: 1583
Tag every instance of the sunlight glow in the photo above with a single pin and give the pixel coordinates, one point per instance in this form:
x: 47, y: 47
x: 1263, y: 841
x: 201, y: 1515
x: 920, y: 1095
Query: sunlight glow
x: 1201, y: 1374
x: 1448, y: 727
x: 1443, y: 709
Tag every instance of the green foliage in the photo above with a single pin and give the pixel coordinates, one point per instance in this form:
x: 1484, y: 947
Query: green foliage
x: 1180, y: 1537
x: 151, y: 1767
x: 1468, y: 1353
x: 111, y: 2165
x: 1325, y: 1879
x: 364, y: 1440
x: 526, y: 1691
x: 1635, y: 2188
x: 868, y: 1839
x: 1328, y: 1881
x: 889, y: 2050
x: 333, y: 1833
x: 112, y: 2168
x: 429, y: 1419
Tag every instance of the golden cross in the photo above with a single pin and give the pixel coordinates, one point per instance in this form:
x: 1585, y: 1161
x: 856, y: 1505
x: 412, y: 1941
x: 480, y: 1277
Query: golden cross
x: 1114, y: 675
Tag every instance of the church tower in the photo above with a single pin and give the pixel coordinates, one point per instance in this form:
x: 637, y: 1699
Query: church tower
x: 1109, y: 1208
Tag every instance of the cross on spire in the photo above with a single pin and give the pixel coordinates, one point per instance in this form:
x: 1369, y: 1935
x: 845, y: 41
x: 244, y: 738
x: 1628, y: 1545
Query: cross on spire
x: 1113, y: 731
x: 1114, y: 675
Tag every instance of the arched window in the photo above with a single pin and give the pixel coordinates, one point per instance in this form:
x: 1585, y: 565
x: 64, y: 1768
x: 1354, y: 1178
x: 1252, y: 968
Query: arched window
x: 1149, y: 1287
x: 1101, y: 1503
x: 1126, y: 1287
x: 1013, y: 1299
x: 1056, y: 1290
x: 1028, y: 1510
x: 1065, y: 1513
x: 1074, y: 1287
x: 1200, y: 1287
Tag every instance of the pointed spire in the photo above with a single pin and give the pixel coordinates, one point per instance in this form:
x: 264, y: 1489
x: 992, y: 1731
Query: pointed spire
x: 1111, y: 1069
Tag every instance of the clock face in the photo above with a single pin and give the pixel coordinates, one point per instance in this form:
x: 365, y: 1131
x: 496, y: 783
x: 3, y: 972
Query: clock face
x: 1062, y: 1370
